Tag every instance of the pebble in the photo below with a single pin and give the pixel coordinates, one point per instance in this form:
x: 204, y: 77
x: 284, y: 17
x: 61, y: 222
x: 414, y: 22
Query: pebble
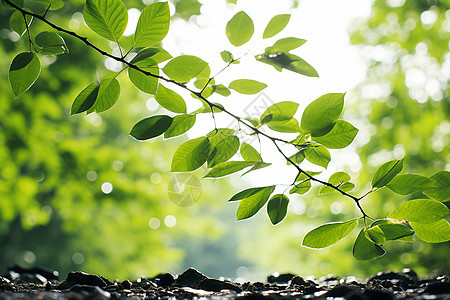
x: 191, y: 278
x: 82, y: 278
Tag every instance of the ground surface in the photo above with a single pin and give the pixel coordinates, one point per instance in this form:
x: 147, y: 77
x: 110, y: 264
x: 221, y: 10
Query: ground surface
x: 41, y: 283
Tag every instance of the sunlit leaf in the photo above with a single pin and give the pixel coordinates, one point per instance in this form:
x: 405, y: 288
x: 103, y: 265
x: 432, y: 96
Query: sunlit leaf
x: 328, y: 234
x: 54, y: 4
x: 337, y: 179
x: 281, y: 111
x: 420, y: 211
x: 85, y: 100
x: 301, y: 188
x: 184, y: 68
x: 51, y: 43
x: 386, y: 173
x: 170, y: 100
x: 227, y: 168
x: 365, y: 249
x: 287, y: 44
x: 247, y: 86
x: 318, y: 155
x: 17, y: 22
x: 320, y: 115
x: 153, y: 25
x: 376, y: 235
x: 249, y: 153
x: 393, y: 230
x: 152, y: 54
x: 435, y: 232
x: 239, y: 29
x: 277, y: 208
x: 302, y: 176
x: 257, y: 166
x: 108, y: 18
x: 281, y: 60
x: 409, y: 183
x: 18, y: 3
x: 297, y: 158
x: 108, y: 93
x: 249, y: 206
x: 23, y: 72
x: 289, y: 126
x: 248, y: 192
x: 216, y: 136
x: 276, y: 24
x: 223, y: 150
x: 441, y: 191
x: 221, y: 90
x: 151, y: 127
x: 145, y: 83
x: 191, y: 155
x: 340, y: 136
x: 180, y: 125
x: 226, y: 56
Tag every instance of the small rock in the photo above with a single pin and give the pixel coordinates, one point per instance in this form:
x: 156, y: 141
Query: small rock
x: 191, y: 278
x: 82, y: 278
x: 298, y: 280
x: 280, y: 278
x: 164, y: 279
x: 376, y: 294
x: 340, y: 291
x: 215, y: 285
x: 89, y: 291
x: 437, y: 288
x: 126, y: 284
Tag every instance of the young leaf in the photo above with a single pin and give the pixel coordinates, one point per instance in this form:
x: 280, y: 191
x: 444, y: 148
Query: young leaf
x: 297, y: 158
x: 216, y: 136
x: 248, y: 192
x: 281, y: 111
x: 420, y: 211
x: 183, y: 68
x: 221, y: 90
x: 337, y: 179
x: 151, y: 127
x: 249, y: 153
x: 320, y: 115
x: 180, y: 125
x: 393, y: 230
x: 441, y: 191
x: 152, y: 54
x: 170, y: 100
x: 302, y: 176
x: 340, y: 136
x: 257, y: 166
x: 365, y: 249
x: 227, y: 168
x: 289, y: 126
x: 23, y: 72
x: 191, y: 155
x: 318, y: 155
x: 435, y: 232
x: 17, y: 23
x: 386, y: 173
x: 249, y: 206
x: 107, y: 18
x: 276, y: 24
x: 227, y: 56
x: 301, y: 188
x: 153, y: 25
x: 145, y: 83
x: 51, y: 43
x: 240, y: 29
x: 409, y: 183
x: 108, y: 93
x: 223, y: 150
x: 247, y: 86
x: 277, y: 208
x: 376, y: 235
x: 281, y: 60
x: 328, y: 234
x: 287, y: 44
x: 85, y: 99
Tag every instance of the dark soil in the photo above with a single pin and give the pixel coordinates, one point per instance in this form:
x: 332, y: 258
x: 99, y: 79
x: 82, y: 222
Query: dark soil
x: 41, y: 283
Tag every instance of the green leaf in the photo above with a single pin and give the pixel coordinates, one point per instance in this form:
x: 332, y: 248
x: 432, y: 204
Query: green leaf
x: 153, y: 25
x: 302, y: 176
x: 221, y: 90
x: 257, y: 166
x: 151, y: 127
x: 249, y: 153
x: 393, y: 230
x: 281, y: 111
x: 248, y: 192
x: 318, y: 155
x: 54, y: 4
x: 249, y: 206
x: 301, y: 188
x: 180, y: 125
x: 435, y: 232
x: 18, y: 3
x: 386, y: 173
x: 152, y: 54
x: 320, y: 115
x: 409, y: 183
x: 277, y: 208
x: 145, y: 83
x: 287, y: 44
x: 85, y: 100
x: 365, y: 249
x: 337, y: 179
x: 223, y: 150
x: 441, y: 191
x: 170, y: 100
x: 191, y: 155
x: 420, y: 211
x: 289, y: 126
x: 226, y: 56
x: 297, y: 158
x: 340, y: 136
x: 227, y: 168
x: 51, y: 43
x: 276, y: 24
x: 184, y: 68
x: 108, y: 93
x: 23, y: 72
x: 17, y: 22
x: 107, y: 18
x: 216, y: 136
x: 376, y: 235
x: 328, y: 234
x: 281, y: 60
x: 247, y: 86
x: 240, y: 29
